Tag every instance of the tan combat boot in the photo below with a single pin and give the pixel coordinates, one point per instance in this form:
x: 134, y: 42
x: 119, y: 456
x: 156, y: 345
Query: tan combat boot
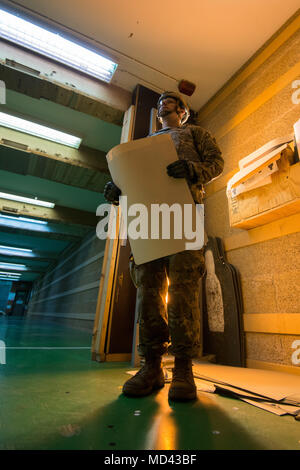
x: 149, y: 378
x: 183, y: 386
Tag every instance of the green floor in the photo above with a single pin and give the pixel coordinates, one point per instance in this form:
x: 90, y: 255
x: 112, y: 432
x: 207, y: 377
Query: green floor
x: 60, y: 399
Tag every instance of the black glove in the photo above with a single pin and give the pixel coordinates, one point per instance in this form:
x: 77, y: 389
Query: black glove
x: 111, y: 193
x: 180, y: 169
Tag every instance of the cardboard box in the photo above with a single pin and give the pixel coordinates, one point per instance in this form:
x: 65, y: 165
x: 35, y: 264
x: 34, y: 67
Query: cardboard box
x: 273, y: 201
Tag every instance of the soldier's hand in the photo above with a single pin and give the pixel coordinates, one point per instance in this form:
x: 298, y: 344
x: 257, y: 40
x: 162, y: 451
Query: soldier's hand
x: 179, y: 169
x: 111, y: 193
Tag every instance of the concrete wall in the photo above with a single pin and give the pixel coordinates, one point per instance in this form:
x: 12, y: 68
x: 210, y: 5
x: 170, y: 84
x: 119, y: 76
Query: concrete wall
x: 254, y: 107
x: 68, y: 293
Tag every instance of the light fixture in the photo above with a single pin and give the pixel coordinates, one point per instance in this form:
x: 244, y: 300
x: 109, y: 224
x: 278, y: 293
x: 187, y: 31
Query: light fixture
x: 3, y: 273
x: 10, y: 276
x: 13, y: 266
x: 35, y: 202
x: 9, y: 273
x: 32, y: 128
x: 33, y: 221
x: 16, y: 253
x: 52, y: 45
x: 3, y: 278
x: 24, y: 219
x: 13, y: 248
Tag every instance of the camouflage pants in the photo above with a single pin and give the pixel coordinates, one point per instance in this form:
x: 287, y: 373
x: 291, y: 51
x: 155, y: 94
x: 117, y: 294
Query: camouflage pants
x: 179, y: 319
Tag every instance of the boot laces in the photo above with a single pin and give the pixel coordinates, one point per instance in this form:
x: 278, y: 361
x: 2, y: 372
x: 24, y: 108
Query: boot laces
x: 148, y: 367
x: 182, y: 372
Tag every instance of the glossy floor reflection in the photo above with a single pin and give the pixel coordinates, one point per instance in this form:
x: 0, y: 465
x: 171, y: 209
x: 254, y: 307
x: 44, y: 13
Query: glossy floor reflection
x: 59, y: 399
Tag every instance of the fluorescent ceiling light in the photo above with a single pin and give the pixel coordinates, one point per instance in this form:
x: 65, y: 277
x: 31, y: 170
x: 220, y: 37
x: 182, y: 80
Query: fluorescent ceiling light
x: 36, y: 202
x: 22, y: 125
x: 16, y: 267
x: 12, y: 265
x: 2, y: 273
x: 6, y: 273
x: 24, y: 219
x: 33, y: 221
x: 17, y: 253
x: 52, y: 45
x: 3, y: 278
x: 11, y: 277
x: 3, y: 247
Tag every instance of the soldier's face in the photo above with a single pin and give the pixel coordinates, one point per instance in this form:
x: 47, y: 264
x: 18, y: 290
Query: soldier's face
x: 167, y: 106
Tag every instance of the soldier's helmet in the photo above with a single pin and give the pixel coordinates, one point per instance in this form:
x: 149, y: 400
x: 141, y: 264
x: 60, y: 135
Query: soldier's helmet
x: 181, y: 102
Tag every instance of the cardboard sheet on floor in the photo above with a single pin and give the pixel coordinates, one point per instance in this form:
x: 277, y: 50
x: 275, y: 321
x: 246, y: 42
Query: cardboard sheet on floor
x: 275, y: 408
x: 204, y: 386
x: 275, y: 386
x: 278, y: 407
x: 239, y: 392
x: 138, y: 168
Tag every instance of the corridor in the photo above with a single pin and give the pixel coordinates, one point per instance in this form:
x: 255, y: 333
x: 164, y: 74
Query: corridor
x: 53, y: 396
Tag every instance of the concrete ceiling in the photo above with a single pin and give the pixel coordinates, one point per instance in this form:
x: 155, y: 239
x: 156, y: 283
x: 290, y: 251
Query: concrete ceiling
x: 31, y: 166
x: 34, y: 167
x: 95, y: 133
x: 159, y: 43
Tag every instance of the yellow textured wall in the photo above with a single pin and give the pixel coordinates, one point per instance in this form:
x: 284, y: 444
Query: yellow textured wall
x: 254, y: 107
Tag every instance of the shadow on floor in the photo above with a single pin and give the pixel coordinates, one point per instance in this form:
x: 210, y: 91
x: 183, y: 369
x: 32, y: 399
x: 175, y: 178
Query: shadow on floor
x: 121, y: 425
x: 153, y: 423
x: 203, y: 425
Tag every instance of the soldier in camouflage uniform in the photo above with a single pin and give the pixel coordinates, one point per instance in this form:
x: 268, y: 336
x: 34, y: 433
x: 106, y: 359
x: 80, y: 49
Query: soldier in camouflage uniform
x: 199, y: 161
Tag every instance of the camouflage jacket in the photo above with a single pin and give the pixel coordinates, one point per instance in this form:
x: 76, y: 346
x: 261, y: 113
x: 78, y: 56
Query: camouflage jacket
x: 199, y: 148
